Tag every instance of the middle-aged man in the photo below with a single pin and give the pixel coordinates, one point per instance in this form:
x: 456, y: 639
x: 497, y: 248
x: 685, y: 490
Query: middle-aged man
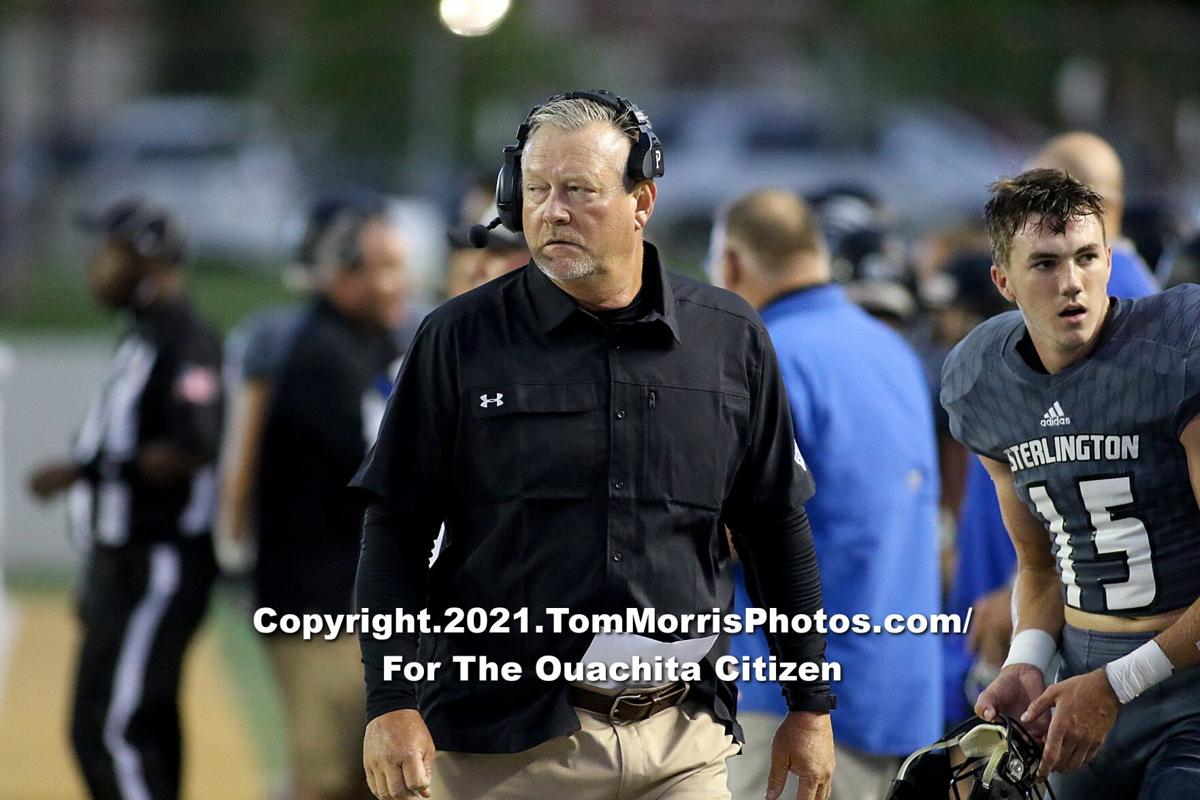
x: 141, y: 485
x: 313, y: 415
x: 860, y: 409
x: 1083, y: 410
x: 584, y: 426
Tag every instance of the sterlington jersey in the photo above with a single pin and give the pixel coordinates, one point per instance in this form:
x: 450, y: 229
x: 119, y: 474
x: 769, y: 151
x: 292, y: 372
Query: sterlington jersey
x: 1095, y: 450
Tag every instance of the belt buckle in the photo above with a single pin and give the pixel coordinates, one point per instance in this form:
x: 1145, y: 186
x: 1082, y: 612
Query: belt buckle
x: 647, y: 700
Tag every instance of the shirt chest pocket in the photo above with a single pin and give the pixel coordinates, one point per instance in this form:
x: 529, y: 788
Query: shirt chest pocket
x: 529, y: 441
x: 692, y: 444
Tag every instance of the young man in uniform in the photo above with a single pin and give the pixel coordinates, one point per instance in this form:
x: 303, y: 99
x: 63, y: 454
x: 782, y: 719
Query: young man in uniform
x: 142, y: 489
x: 1082, y: 407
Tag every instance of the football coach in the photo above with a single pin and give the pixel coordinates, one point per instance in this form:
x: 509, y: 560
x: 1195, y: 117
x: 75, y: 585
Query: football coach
x: 584, y: 427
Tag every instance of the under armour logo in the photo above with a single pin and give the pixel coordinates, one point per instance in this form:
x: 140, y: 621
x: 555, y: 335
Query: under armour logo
x: 485, y: 401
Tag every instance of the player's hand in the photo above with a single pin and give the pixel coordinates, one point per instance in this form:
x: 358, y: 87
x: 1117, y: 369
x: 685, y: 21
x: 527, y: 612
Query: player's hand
x: 49, y: 479
x: 991, y: 626
x: 1011, y: 693
x: 398, y: 755
x: 804, y: 745
x: 1085, y: 708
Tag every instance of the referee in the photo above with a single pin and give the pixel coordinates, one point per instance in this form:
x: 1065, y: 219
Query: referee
x: 141, y: 491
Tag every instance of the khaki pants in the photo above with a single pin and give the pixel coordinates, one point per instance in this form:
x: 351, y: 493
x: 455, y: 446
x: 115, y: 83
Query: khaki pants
x: 677, y: 754
x: 323, y: 700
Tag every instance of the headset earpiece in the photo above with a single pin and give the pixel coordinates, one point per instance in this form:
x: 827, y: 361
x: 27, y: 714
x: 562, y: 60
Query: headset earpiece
x: 508, y: 186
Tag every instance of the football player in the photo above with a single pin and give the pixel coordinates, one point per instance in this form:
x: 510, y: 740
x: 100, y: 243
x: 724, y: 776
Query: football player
x: 1082, y: 407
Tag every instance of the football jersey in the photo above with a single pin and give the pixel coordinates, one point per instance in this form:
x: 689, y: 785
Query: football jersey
x: 1094, y: 448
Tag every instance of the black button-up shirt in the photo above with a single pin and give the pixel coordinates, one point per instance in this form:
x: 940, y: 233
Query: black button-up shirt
x: 581, y: 466
x: 314, y: 439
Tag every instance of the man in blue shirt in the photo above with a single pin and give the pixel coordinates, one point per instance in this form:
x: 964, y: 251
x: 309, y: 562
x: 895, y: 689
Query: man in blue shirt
x: 861, y: 412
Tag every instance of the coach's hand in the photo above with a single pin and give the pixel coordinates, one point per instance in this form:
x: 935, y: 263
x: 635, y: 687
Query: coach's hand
x: 803, y: 745
x: 1011, y: 693
x: 1085, y: 708
x: 398, y: 755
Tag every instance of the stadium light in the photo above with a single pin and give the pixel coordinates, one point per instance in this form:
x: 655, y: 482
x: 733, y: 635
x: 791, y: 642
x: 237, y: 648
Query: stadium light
x: 472, y: 17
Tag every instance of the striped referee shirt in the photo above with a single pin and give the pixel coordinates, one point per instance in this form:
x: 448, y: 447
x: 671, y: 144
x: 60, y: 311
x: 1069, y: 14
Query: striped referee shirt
x: 164, y: 386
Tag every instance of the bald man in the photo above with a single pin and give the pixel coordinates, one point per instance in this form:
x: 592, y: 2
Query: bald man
x: 1092, y: 161
x: 861, y: 413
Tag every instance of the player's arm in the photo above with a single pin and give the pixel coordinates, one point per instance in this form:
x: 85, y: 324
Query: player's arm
x: 1038, y: 587
x: 1039, y: 605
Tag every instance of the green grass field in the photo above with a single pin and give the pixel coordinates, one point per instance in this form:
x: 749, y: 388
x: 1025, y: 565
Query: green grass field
x: 53, y: 298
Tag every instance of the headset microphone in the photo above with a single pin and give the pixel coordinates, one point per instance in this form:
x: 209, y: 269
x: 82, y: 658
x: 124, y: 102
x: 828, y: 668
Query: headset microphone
x: 477, y: 235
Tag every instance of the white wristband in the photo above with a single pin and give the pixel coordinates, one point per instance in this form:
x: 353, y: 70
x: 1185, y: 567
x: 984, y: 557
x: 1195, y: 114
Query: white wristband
x: 1132, y: 674
x: 1032, y: 646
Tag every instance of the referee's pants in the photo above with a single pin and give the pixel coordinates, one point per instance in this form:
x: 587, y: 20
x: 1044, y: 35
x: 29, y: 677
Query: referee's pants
x: 139, y: 606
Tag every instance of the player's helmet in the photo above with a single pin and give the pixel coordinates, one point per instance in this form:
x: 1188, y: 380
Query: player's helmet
x: 978, y: 760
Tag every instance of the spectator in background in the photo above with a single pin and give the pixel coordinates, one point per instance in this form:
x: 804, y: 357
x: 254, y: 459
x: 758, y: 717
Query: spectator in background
x: 142, y: 493
x: 860, y: 407
x: 502, y: 252
x: 1092, y: 161
x: 478, y: 199
x: 866, y: 255
x: 314, y: 399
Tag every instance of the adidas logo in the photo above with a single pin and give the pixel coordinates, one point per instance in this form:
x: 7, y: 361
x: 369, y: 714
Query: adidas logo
x: 1055, y: 416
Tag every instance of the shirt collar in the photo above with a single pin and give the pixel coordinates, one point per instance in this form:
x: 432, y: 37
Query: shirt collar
x: 553, y: 306
x: 806, y: 298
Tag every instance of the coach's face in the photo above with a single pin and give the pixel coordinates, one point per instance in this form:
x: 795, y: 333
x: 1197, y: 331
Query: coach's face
x: 1060, y: 283
x: 581, y: 219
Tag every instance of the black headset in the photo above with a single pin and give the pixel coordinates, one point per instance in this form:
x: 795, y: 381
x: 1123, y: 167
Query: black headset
x: 149, y: 231
x: 645, y: 157
x: 335, y: 225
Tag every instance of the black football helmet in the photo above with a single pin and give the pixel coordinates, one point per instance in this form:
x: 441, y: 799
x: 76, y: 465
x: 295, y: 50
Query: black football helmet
x: 978, y: 760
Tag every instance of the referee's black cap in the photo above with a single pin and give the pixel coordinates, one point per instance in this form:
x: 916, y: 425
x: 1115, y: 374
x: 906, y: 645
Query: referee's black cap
x: 151, y: 230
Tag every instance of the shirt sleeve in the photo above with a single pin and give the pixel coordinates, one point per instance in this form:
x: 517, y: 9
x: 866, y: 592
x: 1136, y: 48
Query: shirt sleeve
x: 405, y: 477
x: 773, y: 481
x: 1189, y: 405
x: 408, y: 468
x: 265, y: 345
x: 392, y: 573
x: 191, y: 411
x: 960, y: 397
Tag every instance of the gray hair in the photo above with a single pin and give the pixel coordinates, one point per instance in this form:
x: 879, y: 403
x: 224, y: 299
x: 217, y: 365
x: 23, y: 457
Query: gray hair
x: 576, y: 113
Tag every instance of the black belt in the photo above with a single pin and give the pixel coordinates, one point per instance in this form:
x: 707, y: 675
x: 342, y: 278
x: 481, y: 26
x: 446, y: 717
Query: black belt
x: 629, y: 706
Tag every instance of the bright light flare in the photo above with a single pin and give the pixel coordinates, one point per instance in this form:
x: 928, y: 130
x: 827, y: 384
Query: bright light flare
x: 472, y: 17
